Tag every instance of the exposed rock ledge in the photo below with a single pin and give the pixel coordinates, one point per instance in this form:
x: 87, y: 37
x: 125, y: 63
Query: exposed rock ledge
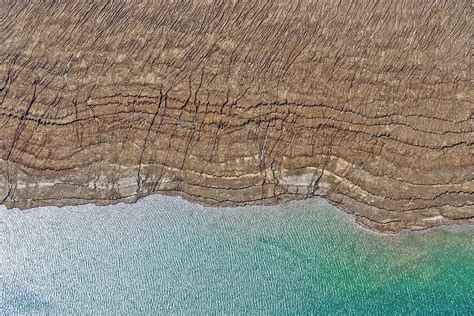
x: 367, y: 103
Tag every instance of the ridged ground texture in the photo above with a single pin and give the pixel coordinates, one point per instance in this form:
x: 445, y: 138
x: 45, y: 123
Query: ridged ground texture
x: 367, y: 103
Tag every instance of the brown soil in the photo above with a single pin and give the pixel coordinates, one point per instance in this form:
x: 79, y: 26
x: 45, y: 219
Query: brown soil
x: 367, y: 103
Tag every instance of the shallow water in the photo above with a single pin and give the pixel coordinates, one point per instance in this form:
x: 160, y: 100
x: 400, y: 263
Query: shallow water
x: 166, y: 255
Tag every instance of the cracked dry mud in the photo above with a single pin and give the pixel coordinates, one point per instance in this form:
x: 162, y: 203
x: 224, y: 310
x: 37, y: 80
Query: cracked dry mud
x: 366, y: 103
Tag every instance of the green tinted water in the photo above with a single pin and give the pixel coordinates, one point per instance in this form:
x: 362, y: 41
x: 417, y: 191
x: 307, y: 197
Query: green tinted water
x: 166, y: 255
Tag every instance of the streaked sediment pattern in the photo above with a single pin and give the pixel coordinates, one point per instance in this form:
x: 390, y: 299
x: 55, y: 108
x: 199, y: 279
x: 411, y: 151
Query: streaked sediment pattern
x: 367, y: 103
x: 165, y: 255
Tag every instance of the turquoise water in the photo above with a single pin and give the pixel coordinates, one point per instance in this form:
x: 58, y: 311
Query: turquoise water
x: 166, y: 255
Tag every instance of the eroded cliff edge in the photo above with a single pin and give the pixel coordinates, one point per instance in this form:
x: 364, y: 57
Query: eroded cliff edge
x: 367, y: 103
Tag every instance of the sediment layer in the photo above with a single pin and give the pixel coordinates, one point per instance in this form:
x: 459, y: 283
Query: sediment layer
x: 367, y: 103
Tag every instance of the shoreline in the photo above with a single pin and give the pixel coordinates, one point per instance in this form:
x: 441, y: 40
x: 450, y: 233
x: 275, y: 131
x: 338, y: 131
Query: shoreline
x: 184, y: 197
